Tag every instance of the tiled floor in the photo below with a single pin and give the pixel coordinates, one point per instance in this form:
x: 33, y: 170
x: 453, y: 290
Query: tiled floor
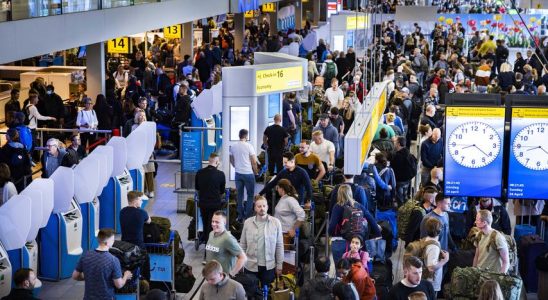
x: 165, y: 205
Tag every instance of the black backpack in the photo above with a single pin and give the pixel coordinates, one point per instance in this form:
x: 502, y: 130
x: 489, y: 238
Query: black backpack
x: 151, y: 233
x: 184, y: 279
x: 26, y: 111
x: 18, y: 158
x: 353, y: 222
x: 130, y: 255
x: 250, y: 284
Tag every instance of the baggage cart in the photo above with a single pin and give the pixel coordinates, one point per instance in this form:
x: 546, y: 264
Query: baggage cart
x: 162, y: 262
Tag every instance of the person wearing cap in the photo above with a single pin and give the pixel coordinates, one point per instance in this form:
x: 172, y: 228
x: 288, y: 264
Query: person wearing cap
x: 52, y: 105
x: 329, y: 131
x: 87, y: 120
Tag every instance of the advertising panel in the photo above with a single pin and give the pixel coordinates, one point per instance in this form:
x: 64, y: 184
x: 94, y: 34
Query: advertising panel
x: 473, y: 142
x: 528, y: 162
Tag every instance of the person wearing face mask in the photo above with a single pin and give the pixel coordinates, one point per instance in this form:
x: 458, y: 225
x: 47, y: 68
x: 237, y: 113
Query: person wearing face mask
x: 52, y: 105
x: 210, y: 184
x: 262, y: 242
x: 25, y: 280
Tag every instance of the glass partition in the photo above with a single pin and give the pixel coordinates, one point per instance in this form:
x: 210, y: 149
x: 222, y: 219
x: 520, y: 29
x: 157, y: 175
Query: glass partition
x: 25, y: 9
x: 5, y: 10
x: 116, y: 3
x: 72, y: 6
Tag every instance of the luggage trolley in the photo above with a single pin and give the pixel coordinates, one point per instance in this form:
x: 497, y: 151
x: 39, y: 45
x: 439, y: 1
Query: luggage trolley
x: 162, y: 261
x: 130, y: 291
x: 199, y: 222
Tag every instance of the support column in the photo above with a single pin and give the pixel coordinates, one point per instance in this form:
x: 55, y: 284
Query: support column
x: 95, y: 69
x: 316, y: 12
x: 239, y: 29
x: 298, y: 14
x: 273, y: 18
x: 187, y: 42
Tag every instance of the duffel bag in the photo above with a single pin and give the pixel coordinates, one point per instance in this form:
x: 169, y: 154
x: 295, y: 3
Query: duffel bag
x: 467, y: 282
x: 130, y: 255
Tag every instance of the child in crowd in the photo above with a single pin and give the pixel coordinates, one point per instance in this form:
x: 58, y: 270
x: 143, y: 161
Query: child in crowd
x: 355, y: 251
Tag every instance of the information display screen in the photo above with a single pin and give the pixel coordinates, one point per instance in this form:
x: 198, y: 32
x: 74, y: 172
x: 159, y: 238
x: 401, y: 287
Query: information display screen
x: 528, y: 163
x: 474, y: 138
x: 239, y: 119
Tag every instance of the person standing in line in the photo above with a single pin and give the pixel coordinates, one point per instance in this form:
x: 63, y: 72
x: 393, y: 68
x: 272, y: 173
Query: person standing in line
x: 434, y: 257
x: 87, y: 120
x: 223, y: 247
x: 275, y: 139
x: 244, y: 160
x: 412, y: 281
x: 132, y: 223
x: 491, y: 248
x: 440, y: 213
x: 219, y: 284
x: 262, y: 241
x: 210, y: 184
x: 11, y: 107
x: 101, y: 270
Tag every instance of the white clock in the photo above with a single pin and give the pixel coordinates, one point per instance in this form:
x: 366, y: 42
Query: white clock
x: 474, y: 144
x: 530, y: 146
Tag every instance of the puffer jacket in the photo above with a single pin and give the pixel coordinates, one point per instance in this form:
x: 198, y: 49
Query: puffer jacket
x: 318, y: 288
x: 360, y: 278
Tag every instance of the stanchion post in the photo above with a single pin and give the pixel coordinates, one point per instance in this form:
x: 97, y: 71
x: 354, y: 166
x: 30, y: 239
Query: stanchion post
x: 327, y: 234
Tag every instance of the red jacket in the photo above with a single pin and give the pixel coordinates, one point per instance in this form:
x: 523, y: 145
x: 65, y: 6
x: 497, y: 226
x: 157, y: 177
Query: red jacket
x: 360, y: 278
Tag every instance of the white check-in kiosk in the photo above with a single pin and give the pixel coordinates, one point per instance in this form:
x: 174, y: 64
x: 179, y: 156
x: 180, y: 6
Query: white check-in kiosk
x: 252, y: 96
x: 114, y: 195
x: 86, y: 180
x: 61, y: 239
x: 41, y: 193
x: 141, y: 142
x: 350, y: 29
x: 16, y: 224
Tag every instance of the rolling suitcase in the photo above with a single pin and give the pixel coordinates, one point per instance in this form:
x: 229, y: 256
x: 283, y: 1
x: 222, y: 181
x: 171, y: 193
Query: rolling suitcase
x: 531, y: 247
x: 541, y: 264
x: 522, y: 229
x: 382, y: 274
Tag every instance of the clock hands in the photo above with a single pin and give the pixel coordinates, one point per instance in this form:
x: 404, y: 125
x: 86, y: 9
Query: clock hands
x: 480, y: 150
x: 535, y: 147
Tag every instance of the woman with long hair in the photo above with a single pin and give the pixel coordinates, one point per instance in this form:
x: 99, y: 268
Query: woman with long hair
x: 288, y: 210
x: 490, y: 290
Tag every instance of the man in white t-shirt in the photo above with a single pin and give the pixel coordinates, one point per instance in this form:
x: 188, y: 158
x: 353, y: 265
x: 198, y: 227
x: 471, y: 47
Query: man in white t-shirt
x: 324, y: 149
x: 243, y: 159
x: 334, y: 94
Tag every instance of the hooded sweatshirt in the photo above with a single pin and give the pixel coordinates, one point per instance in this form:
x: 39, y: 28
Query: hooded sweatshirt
x: 360, y: 278
x: 227, y: 288
x: 318, y: 288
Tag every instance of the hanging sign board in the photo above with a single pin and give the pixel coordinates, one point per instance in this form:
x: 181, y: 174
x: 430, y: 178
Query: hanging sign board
x: 173, y: 31
x: 474, y: 137
x: 278, y: 80
x: 528, y: 163
x: 118, y: 45
x: 268, y: 7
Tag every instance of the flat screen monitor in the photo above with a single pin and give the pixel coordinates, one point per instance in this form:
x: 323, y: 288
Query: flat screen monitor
x: 473, y: 99
x: 239, y: 119
x: 273, y: 105
x: 526, y: 100
x: 82, y: 52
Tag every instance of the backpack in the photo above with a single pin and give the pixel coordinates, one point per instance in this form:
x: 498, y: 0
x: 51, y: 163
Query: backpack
x: 184, y: 279
x: 413, y: 163
x: 330, y: 71
x: 466, y: 283
x: 404, y: 216
x: 26, y: 111
x: 418, y: 249
x: 18, y: 158
x: 250, y: 283
x: 130, y: 256
x: 151, y: 233
x: 25, y: 137
x: 512, y: 251
x: 424, y: 64
x: 353, y: 222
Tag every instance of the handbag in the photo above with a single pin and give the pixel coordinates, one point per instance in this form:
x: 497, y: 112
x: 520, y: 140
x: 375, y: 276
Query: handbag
x: 280, y: 291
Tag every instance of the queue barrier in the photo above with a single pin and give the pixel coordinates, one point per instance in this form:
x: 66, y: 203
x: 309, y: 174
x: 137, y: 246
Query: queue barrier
x: 162, y: 261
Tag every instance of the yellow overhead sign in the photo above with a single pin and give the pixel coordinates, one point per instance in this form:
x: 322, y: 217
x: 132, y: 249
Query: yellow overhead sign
x: 453, y: 111
x: 276, y: 80
x: 376, y: 114
x: 118, y: 45
x: 357, y: 22
x: 250, y: 14
x: 268, y: 7
x: 535, y: 113
x: 173, y: 32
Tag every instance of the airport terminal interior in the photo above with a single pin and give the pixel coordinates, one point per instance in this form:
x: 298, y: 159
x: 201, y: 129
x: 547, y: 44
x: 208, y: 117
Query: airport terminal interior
x: 273, y: 149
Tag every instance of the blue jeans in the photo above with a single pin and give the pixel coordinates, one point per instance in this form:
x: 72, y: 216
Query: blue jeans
x: 247, y: 181
x: 401, y: 191
x: 338, y: 248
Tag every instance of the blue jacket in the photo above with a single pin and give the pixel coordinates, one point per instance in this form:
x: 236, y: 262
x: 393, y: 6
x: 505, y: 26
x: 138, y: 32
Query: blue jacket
x: 431, y: 153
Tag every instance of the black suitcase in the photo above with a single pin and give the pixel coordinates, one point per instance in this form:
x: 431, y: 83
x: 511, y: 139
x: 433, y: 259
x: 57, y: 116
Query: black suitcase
x: 251, y: 285
x: 130, y: 255
x: 382, y: 274
x: 531, y: 247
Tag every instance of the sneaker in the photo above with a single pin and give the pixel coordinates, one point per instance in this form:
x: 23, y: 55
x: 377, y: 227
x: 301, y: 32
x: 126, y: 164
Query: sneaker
x: 204, y: 262
x: 151, y: 195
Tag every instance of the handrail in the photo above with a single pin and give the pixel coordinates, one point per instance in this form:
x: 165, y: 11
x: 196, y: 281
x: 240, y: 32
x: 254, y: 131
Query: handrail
x: 173, y: 161
x: 202, y: 128
x: 45, y: 129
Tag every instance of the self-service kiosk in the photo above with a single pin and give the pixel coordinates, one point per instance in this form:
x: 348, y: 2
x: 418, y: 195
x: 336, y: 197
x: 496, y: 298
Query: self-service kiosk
x: 5, y: 272
x: 61, y: 239
x: 16, y: 224
x: 141, y: 141
x: 252, y: 96
x: 114, y: 195
x: 87, y: 177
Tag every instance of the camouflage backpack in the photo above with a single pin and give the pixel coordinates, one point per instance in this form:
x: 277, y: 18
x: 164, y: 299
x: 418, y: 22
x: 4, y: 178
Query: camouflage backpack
x: 404, y: 216
x: 466, y: 284
x: 418, y: 249
x: 512, y: 250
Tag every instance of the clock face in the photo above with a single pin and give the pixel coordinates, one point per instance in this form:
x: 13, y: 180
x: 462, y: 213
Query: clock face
x: 530, y: 146
x: 474, y: 144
